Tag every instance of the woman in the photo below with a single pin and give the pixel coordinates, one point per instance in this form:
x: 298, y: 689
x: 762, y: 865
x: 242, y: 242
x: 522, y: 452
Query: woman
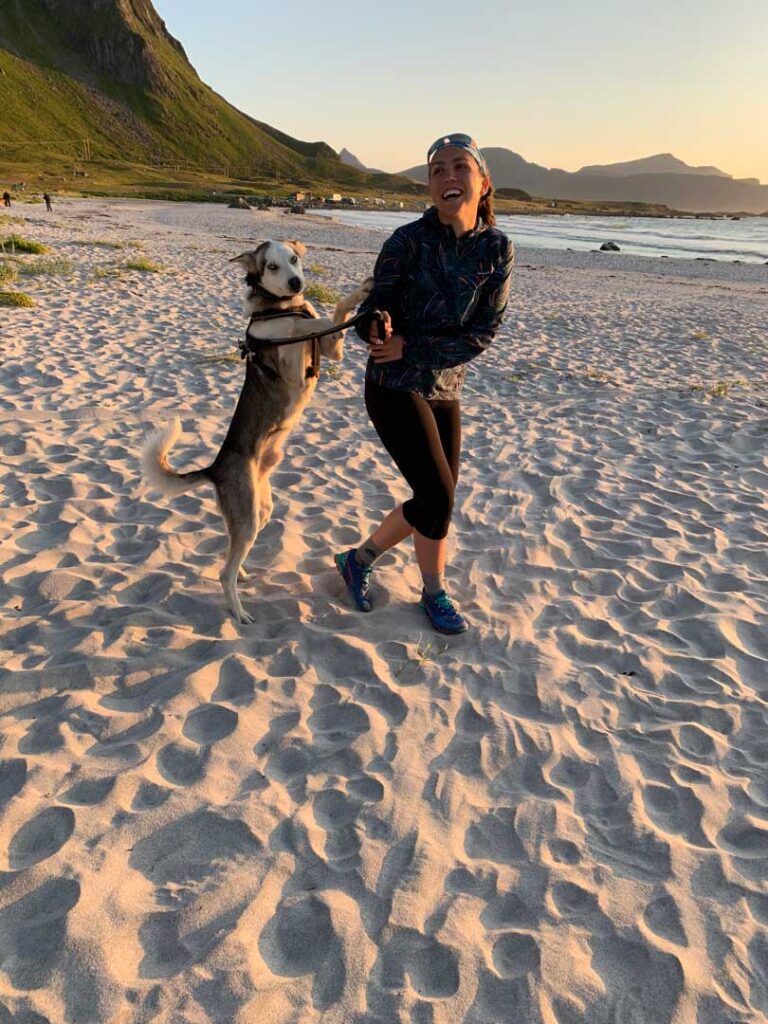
x: 442, y: 283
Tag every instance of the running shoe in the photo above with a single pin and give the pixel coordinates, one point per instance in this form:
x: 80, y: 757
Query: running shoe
x: 442, y: 613
x: 356, y: 576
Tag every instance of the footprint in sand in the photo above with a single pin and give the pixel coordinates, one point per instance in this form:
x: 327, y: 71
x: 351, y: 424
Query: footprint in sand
x: 299, y: 940
x: 149, y: 795
x: 663, y: 919
x: 515, y: 955
x: 164, y: 952
x: 13, y: 775
x: 182, y: 765
x: 193, y: 848
x: 431, y: 967
x: 41, y: 837
x: 33, y: 932
x: 237, y: 684
x: 89, y: 792
x: 335, y: 813
x: 209, y: 724
x: 335, y: 726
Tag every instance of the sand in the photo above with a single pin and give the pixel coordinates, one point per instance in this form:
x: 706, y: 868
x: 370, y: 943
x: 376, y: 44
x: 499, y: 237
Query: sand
x: 560, y: 817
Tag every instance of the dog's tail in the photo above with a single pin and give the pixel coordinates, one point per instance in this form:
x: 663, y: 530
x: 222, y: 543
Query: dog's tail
x: 154, y: 463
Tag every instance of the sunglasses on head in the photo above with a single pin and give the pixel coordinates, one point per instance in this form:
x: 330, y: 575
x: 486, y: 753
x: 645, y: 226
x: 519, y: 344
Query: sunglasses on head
x: 461, y: 141
x: 456, y: 139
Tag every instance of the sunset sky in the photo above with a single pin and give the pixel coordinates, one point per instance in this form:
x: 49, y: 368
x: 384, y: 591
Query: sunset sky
x: 562, y: 84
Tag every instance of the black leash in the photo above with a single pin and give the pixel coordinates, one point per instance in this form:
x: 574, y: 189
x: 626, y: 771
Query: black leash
x: 253, y: 346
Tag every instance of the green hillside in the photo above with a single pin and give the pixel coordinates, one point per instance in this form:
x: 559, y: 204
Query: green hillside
x: 103, y: 89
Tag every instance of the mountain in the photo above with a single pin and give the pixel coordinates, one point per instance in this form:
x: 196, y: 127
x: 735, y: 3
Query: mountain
x: 662, y: 163
x: 349, y: 158
x: 104, y: 80
x: 701, y: 189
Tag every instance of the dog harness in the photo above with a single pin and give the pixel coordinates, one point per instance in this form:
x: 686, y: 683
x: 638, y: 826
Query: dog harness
x: 254, y: 347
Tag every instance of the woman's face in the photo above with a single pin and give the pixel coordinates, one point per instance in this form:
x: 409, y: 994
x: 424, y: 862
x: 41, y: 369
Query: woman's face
x: 456, y: 183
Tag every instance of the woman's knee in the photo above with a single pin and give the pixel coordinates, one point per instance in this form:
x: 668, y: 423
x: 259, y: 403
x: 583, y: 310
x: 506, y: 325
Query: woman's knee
x: 431, y: 513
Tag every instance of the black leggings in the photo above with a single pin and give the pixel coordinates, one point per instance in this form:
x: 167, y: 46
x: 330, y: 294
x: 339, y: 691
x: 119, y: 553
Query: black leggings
x: 424, y: 439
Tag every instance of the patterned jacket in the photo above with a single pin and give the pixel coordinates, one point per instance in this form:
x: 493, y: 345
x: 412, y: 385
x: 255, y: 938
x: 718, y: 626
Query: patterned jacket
x: 446, y: 296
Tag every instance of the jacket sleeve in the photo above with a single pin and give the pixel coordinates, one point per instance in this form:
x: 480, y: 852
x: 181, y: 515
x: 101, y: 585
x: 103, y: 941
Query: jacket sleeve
x: 387, y: 276
x: 440, y: 351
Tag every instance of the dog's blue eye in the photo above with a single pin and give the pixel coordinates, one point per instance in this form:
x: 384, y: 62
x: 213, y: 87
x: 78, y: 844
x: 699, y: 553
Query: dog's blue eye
x: 294, y: 259
x: 271, y: 266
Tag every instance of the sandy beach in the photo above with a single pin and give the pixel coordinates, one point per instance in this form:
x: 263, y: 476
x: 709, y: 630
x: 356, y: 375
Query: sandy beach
x: 559, y: 818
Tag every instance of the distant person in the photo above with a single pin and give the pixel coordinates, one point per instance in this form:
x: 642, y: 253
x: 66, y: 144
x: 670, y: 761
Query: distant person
x: 47, y: 199
x: 442, y: 283
x: 6, y: 198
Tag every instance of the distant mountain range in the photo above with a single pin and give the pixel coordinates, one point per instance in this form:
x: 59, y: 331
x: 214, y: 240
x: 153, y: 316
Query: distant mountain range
x: 655, y: 179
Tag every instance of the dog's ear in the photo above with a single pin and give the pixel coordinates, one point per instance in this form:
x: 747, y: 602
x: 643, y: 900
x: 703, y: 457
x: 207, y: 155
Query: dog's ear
x: 298, y: 247
x: 253, y: 260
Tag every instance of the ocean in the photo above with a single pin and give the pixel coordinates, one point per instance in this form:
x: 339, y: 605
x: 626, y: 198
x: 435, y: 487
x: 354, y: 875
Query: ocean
x: 679, y: 238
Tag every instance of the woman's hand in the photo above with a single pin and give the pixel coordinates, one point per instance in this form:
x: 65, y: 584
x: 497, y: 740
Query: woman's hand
x: 386, y: 349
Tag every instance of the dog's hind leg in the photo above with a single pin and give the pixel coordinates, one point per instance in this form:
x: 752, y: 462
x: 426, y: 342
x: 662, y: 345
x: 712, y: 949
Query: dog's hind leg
x: 238, y: 506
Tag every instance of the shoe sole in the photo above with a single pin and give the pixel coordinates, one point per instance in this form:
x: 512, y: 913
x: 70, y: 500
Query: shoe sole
x: 340, y: 561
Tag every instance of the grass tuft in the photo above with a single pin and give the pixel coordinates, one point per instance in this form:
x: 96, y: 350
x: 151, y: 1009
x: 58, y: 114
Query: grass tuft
x: 720, y: 389
x: 17, y: 243
x: 316, y: 268
x: 40, y: 267
x: 8, y: 271
x: 231, y: 356
x: 145, y: 265
x: 322, y: 293
x: 101, y: 243
x: 15, y: 299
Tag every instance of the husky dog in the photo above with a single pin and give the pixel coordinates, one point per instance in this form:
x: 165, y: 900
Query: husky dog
x: 279, y: 382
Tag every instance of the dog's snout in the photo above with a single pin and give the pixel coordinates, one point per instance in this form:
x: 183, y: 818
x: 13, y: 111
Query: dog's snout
x: 295, y: 284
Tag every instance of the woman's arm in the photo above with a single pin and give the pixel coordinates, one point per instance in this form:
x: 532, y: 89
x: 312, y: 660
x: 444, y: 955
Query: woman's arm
x: 440, y: 350
x: 387, y: 276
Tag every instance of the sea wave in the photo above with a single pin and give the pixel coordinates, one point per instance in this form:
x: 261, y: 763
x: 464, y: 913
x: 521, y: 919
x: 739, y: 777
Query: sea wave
x: 677, y: 238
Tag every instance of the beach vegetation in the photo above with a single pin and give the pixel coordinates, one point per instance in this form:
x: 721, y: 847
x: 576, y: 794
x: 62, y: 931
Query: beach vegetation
x: 322, y: 293
x: 144, y: 265
x: 315, y: 268
x: 17, y: 243
x: 720, y: 389
x: 700, y: 336
x: 100, y: 243
x: 213, y: 358
x: 102, y: 272
x: 15, y: 299
x: 57, y: 265
x: 8, y: 270
x: 426, y: 651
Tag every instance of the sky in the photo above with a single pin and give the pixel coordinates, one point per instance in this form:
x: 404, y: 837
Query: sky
x: 563, y: 84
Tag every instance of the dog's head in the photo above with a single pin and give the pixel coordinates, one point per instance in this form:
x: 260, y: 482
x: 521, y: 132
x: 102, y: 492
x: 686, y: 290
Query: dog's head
x: 274, y: 268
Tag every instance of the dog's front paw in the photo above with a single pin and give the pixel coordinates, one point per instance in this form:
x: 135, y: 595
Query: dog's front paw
x: 364, y: 290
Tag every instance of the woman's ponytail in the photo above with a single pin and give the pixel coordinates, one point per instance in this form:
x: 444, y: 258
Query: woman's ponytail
x: 485, y: 209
